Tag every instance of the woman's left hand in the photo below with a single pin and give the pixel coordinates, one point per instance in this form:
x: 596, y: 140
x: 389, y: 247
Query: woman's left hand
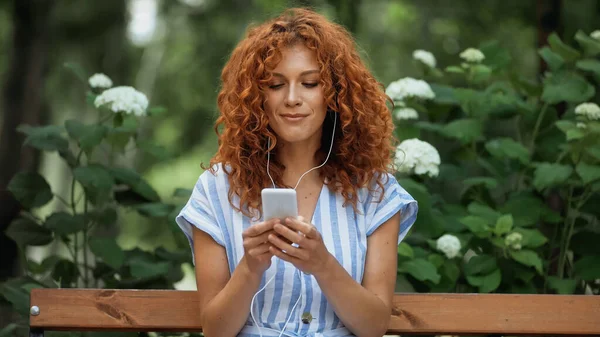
x: 311, y: 256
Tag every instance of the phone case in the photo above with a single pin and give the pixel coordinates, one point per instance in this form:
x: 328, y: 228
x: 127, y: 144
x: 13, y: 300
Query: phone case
x: 279, y: 203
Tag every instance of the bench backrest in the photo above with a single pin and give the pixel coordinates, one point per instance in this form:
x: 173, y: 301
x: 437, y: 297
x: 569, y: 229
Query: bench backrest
x: 460, y: 314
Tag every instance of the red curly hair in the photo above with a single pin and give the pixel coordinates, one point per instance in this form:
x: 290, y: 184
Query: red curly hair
x: 363, y: 141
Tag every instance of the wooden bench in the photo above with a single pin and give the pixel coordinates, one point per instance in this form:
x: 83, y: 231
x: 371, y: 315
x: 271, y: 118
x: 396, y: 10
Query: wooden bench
x: 456, y: 314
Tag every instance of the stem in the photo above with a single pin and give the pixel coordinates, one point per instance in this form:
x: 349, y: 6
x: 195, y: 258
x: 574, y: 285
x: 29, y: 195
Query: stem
x: 85, y: 245
x: 74, y: 209
x: 536, y: 129
x: 569, y: 222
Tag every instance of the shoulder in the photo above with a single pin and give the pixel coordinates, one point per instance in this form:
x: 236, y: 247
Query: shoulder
x: 213, y: 179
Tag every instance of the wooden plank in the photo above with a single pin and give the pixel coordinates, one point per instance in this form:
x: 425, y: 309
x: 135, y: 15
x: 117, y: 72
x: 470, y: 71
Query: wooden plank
x: 170, y: 310
x: 510, y: 314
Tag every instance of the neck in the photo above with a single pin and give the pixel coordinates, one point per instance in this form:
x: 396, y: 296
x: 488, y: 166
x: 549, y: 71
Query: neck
x: 298, y: 159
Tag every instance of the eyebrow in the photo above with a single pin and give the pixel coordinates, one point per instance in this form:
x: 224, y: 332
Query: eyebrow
x: 306, y: 72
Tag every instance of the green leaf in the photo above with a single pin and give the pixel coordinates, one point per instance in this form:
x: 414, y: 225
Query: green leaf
x: 145, y: 269
x: 451, y: 270
x: 481, y: 73
x: 154, y: 210
x: 504, y: 224
x: 574, y: 134
x: 590, y: 45
x: 477, y: 225
x: 562, y: 286
x: 484, y: 211
x: 486, y: 283
x: 549, y: 175
x: 421, y: 269
x: 590, y: 65
x: 108, y: 250
x: 444, y: 94
x: 65, y: 272
x: 405, y: 250
x: 26, y: 232
x: 528, y: 258
x: 18, y: 297
x: 107, y: 216
x: 526, y: 209
x: 136, y: 182
x: 30, y: 189
x: 532, y: 238
x: 96, y: 179
x: 553, y: 60
x: 436, y: 259
x: 567, y: 52
x: 508, y: 148
x: 454, y: 70
x: 568, y: 87
x: 87, y: 136
x: 465, y: 130
x: 480, y: 264
x: 45, y: 138
x: 488, y: 182
x: 565, y: 125
x: 588, y: 267
x: 587, y: 172
x: 63, y: 223
x: 8, y: 330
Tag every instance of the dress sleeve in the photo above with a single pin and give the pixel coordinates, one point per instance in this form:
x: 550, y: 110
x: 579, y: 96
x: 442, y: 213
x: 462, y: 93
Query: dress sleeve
x: 198, y: 212
x: 395, y: 199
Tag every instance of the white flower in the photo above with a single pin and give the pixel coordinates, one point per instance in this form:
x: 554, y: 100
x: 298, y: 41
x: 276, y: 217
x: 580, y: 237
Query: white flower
x: 100, y: 81
x: 418, y: 156
x: 123, y: 99
x: 409, y: 87
x: 590, y: 110
x: 449, y: 245
x: 595, y: 34
x: 425, y: 57
x: 406, y: 113
x: 581, y: 125
x: 514, y: 240
x: 472, y: 55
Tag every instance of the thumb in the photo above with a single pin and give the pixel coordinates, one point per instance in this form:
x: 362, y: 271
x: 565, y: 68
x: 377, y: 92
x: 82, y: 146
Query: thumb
x: 300, y: 218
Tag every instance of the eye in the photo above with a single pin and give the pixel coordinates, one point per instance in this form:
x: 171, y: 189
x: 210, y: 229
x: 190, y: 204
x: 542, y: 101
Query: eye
x: 310, y: 85
x: 275, y: 86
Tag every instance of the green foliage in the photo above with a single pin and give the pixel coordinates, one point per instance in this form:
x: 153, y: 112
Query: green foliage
x: 81, y: 223
x: 519, y: 174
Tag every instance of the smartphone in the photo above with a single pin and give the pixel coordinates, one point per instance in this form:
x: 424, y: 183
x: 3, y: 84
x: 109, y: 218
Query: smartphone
x: 279, y: 203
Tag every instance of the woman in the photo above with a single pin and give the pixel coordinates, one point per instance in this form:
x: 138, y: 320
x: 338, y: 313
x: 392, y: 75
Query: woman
x: 298, y: 109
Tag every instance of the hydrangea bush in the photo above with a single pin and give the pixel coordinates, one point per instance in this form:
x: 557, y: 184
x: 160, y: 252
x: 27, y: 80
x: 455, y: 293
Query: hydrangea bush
x: 506, y: 170
x: 101, y: 189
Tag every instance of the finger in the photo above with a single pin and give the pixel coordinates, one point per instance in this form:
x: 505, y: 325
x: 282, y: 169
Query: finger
x: 260, y: 227
x: 253, y: 241
x: 308, y: 230
x: 283, y: 256
x: 288, y: 234
x: 289, y: 249
x: 263, y: 248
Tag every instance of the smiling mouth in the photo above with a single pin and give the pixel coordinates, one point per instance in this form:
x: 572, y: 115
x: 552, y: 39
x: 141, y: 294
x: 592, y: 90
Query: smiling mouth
x: 293, y: 117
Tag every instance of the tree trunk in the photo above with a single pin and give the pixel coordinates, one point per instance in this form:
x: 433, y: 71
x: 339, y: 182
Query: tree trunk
x: 23, y: 102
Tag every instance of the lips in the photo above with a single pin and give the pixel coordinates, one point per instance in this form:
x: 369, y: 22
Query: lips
x: 293, y: 117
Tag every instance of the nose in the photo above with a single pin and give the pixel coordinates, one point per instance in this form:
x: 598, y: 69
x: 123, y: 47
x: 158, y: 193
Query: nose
x: 292, y: 99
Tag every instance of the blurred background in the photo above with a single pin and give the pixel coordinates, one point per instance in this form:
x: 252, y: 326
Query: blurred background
x: 173, y: 51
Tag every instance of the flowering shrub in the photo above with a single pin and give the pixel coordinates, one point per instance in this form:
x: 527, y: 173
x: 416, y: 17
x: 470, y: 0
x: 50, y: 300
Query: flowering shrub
x: 99, y: 190
x: 511, y: 204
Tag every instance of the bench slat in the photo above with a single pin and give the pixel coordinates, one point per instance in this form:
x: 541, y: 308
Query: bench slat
x: 171, y: 310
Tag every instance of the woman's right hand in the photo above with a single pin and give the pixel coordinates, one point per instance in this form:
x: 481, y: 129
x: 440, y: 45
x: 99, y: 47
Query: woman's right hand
x: 256, y: 246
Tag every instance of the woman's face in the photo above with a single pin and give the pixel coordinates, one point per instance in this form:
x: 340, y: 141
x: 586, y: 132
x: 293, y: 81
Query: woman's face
x: 295, y: 103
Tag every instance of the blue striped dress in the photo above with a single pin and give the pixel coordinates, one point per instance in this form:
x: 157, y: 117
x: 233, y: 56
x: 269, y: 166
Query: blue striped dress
x: 344, y: 233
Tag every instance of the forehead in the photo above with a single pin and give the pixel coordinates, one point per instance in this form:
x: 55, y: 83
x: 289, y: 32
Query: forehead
x: 296, y: 59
